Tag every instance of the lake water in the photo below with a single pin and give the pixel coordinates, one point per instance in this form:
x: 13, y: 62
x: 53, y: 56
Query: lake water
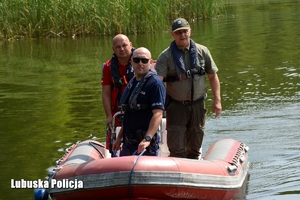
x: 50, y: 96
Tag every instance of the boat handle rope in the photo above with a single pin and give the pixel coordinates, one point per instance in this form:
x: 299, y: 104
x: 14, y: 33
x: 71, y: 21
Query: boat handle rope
x: 93, y: 144
x: 114, y: 153
x: 130, y: 175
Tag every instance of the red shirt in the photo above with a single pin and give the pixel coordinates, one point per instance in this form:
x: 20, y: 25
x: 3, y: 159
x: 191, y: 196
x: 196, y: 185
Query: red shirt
x: 108, y: 80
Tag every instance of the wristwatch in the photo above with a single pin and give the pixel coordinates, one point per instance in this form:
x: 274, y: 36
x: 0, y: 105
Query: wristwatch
x: 147, y: 138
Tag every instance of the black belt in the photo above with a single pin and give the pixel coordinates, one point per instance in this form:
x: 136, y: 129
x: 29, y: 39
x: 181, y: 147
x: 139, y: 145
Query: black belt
x: 134, y: 108
x: 188, y: 102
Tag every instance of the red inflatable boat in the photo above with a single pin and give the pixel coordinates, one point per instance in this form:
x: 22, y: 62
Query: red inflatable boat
x: 87, y: 171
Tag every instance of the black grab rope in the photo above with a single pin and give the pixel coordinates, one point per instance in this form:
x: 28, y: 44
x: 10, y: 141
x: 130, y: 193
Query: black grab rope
x: 93, y: 144
x: 129, y: 182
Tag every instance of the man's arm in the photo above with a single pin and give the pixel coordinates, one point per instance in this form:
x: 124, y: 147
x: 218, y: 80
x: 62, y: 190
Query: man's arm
x: 162, y: 66
x: 117, y: 144
x: 153, y: 126
x: 106, y: 101
x: 216, y: 90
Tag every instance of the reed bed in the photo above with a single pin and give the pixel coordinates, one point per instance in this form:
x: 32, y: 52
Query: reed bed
x: 57, y: 18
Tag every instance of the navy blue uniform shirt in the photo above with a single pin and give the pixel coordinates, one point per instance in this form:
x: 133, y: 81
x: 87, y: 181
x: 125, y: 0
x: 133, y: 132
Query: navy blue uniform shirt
x: 153, y: 93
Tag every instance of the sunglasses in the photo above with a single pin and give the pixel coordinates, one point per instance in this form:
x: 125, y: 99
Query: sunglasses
x: 144, y: 60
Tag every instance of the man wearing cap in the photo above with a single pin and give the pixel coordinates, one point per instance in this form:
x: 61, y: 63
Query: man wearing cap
x: 184, y: 66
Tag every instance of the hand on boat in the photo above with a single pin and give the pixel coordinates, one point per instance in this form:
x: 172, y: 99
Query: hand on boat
x: 143, y: 145
x: 116, y: 146
x: 109, y: 125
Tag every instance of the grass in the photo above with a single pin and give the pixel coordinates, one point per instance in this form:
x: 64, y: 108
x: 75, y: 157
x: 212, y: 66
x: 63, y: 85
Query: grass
x: 58, y: 18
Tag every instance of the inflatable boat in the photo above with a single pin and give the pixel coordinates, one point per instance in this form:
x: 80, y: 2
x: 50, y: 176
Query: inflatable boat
x: 87, y: 171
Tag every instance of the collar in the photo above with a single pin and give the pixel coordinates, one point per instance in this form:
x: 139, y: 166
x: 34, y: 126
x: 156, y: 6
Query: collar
x: 184, y: 49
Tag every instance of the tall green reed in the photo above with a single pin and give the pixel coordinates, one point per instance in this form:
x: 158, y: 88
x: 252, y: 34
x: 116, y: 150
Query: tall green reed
x: 55, y: 18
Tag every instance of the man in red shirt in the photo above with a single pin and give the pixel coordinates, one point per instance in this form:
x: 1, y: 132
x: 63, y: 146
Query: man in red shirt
x: 116, y: 73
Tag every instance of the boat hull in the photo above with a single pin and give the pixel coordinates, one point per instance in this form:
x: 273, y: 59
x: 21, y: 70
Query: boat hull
x: 219, y: 175
x: 149, y: 192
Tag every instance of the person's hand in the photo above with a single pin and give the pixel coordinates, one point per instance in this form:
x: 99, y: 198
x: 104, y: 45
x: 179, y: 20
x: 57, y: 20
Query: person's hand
x: 116, y: 146
x: 109, y: 123
x: 217, y: 108
x: 143, y: 145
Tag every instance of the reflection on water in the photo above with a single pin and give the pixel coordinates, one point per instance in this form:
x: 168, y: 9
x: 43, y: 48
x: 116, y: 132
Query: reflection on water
x: 50, y: 96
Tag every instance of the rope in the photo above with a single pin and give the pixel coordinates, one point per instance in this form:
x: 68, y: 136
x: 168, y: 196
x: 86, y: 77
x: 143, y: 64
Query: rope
x: 93, y: 144
x: 129, y: 182
x: 114, y: 154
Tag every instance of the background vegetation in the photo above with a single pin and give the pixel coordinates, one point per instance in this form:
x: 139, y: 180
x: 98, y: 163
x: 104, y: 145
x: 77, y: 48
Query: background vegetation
x: 53, y: 18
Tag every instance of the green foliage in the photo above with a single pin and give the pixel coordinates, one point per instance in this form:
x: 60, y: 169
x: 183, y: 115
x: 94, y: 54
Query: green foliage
x: 53, y: 18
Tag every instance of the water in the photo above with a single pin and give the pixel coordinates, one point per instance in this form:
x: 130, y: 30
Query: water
x: 50, y: 96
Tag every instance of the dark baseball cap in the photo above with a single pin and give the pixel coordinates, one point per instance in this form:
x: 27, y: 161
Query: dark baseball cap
x: 180, y: 24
